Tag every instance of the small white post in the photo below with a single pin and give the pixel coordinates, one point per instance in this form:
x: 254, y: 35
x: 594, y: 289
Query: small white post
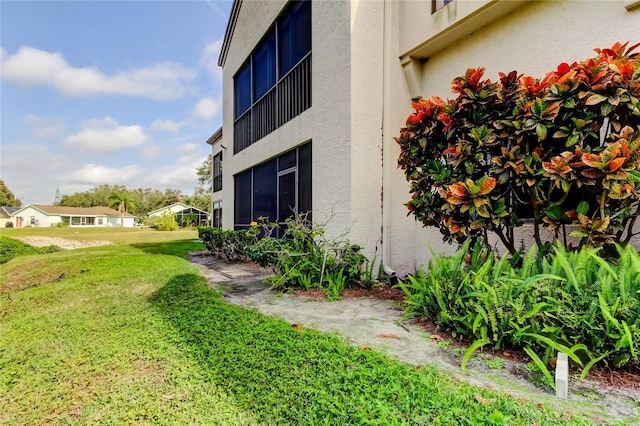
x: 562, y: 376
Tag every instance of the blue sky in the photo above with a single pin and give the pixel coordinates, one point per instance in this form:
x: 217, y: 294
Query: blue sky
x: 107, y: 92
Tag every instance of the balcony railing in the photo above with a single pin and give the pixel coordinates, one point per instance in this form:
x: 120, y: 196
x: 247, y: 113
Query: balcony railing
x: 290, y: 96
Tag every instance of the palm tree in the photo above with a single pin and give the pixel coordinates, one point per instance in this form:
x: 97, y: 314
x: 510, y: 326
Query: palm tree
x: 123, y: 201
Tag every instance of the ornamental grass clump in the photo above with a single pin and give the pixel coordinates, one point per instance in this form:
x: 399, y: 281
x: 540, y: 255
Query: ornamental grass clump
x: 565, y: 301
x: 563, y: 150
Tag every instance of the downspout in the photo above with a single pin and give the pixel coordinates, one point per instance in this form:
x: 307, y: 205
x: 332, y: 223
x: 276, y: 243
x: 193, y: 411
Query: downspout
x: 387, y: 161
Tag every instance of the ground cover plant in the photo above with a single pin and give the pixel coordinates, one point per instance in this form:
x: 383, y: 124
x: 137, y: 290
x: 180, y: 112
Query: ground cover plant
x: 568, y: 301
x: 302, y: 258
x: 134, y: 335
x: 562, y: 150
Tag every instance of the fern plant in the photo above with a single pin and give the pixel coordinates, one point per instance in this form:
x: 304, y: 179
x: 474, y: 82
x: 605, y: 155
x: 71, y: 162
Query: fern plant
x: 570, y: 301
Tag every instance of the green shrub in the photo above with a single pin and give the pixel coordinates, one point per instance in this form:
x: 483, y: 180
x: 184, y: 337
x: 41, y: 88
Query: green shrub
x: 151, y: 221
x: 302, y: 258
x: 166, y: 222
x: 305, y: 258
x: 563, y: 149
x: 228, y: 243
x: 574, y: 302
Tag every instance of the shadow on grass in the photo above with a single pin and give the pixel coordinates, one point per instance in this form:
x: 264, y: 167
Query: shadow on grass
x: 290, y: 375
x: 179, y: 248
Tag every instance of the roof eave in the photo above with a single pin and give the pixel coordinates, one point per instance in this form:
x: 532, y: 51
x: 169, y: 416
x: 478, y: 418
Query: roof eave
x: 215, y: 137
x: 231, y: 25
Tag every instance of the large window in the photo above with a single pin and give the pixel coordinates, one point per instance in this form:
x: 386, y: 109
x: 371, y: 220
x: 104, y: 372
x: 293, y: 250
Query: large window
x: 264, y: 66
x: 242, y: 89
x: 274, y: 83
x: 277, y: 189
x: 294, y: 35
x: 216, y: 220
x: 217, y: 172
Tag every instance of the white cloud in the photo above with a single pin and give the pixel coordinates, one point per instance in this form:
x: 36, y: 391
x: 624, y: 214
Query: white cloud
x: 105, y: 135
x: 34, y: 67
x: 189, y: 149
x: 32, y: 172
x: 182, y: 173
x: 206, y: 109
x: 93, y: 174
x: 44, y: 127
x: 209, y: 59
x: 168, y: 125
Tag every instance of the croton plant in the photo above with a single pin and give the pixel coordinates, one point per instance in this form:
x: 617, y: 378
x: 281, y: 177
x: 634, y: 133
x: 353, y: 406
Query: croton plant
x: 561, y: 150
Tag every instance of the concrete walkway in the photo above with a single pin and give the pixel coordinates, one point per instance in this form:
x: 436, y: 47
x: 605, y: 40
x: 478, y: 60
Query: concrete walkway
x: 379, y: 325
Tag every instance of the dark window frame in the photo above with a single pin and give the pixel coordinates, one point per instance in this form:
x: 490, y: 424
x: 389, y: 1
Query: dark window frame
x: 217, y: 172
x: 248, y: 208
x: 282, y: 90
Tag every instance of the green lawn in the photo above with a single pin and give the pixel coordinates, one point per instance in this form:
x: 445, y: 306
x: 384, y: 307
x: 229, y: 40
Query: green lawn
x: 115, y: 235
x: 128, y: 334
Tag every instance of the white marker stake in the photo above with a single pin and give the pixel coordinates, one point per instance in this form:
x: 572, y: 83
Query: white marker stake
x: 562, y: 376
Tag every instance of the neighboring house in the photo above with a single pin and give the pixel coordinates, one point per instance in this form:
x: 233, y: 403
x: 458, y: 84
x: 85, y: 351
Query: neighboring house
x: 315, y: 91
x: 45, y: 216
x: 183, y: 213
x: 7, y: 215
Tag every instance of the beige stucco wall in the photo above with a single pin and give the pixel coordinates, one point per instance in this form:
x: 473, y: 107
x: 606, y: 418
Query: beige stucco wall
x: 252, y: 22
x: 531, y: 37
x: 362, y: 91
x: 345, y: 136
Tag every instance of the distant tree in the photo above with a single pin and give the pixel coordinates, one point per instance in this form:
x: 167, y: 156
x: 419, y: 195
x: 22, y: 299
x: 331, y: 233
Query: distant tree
x: 7, y: 199
x: 205, y: 174
x: 140, y: 201
x: 98, y: 196
x: 201, y: 199
x: 123, y: 201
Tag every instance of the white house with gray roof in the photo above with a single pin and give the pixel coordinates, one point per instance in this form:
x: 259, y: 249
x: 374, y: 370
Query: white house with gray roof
x: 45, y: 216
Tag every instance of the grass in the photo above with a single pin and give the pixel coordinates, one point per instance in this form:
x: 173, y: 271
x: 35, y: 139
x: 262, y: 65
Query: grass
x: 10, y: 248
x: 115, y: 235
x: 132, y: 334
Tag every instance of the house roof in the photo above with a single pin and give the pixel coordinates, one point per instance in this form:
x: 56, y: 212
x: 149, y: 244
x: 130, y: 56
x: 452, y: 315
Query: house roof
x: 185, y: 207
x: 169, y: 206
x: 215, y: 137
x: 231, y: 25
x: 8, y: 211
x: 77, y: 211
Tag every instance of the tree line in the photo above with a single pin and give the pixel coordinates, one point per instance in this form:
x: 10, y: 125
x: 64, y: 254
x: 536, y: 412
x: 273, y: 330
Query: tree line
x: 138, y: 201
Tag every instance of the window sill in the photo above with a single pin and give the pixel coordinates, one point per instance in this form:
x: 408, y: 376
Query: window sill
x: 631, y: 4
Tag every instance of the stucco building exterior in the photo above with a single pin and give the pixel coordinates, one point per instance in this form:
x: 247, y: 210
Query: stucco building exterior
x: 314, y: 93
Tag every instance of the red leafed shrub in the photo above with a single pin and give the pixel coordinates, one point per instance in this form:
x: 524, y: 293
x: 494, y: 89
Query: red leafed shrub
x: 563, y: 150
